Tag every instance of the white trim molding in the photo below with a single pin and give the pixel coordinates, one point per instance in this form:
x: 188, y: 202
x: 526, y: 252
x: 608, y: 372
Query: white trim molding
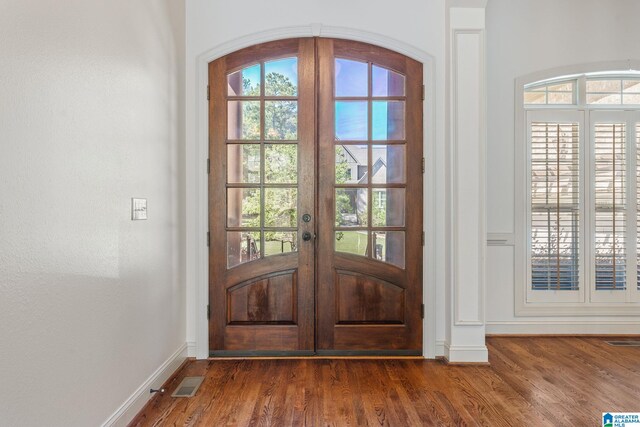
x: 466, y: 353
x: 197, y: 153
x: 134, y: 404
x: 191, y: 349
x: 468, y: 175
x: 501, y: 239
x: 467, y: 181
x: 556, y: 327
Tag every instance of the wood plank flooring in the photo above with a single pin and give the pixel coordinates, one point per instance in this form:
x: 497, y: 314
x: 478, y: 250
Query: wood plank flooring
x: 532, y: 381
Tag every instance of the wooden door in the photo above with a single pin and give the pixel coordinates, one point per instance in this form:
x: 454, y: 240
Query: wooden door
x: 315, y: 137
x: 369, y: 256
x: 261, y: 185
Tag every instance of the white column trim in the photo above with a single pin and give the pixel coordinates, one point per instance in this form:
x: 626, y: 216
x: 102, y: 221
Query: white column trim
x: 467, y: 121
x: 459, y: 318
x: 466, y: 353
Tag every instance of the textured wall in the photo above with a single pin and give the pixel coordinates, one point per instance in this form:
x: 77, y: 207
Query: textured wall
x: 91, y: 303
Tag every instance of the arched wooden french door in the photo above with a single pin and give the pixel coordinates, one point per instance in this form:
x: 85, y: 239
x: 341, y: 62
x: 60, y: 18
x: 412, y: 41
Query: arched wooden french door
x: 315, y: 200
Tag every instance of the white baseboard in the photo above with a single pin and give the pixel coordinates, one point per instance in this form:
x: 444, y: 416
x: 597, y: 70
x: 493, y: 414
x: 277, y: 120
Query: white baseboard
x: 440, y: 352
x: 130, y: 408
x: 466, y: 353
x: 580, y: 327
x: 191, y: 349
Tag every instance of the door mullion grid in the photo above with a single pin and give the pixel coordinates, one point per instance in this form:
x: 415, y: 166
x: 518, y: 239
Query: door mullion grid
x: 370, y: 247
x: 262, y: 160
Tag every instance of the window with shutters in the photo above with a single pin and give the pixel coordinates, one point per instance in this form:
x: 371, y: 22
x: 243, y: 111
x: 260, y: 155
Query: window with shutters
x: 555, y: 214
x: 579, y: 237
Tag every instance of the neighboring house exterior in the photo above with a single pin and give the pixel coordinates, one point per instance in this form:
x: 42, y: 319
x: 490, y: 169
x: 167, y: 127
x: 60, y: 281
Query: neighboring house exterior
x: 356, y: 158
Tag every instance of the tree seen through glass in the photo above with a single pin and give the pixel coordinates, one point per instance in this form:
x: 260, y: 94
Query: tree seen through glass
x: 279, y: 162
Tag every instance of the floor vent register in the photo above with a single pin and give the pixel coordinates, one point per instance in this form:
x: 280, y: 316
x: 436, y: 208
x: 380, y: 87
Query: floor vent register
x: 188, y: 387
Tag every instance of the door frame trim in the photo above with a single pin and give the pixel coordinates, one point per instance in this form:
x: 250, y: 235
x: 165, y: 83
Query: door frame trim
x: 197, y: 215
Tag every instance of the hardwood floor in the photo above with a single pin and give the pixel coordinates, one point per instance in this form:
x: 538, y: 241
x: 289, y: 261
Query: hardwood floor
x: 541, y: 381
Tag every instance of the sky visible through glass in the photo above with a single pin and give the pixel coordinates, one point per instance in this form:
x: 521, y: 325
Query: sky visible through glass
x: 288, y: 67
x: 352, y: 80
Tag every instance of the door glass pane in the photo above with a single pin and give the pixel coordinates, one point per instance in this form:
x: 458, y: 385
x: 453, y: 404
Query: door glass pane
x: 243, y: 207
x: 352, y: 242
x: 389, y: 247
x: 243, y: 120
x: 280, y: 207
x: 243, y: 163
x: 388, y: 164
x: 387, y: 207
x: 281, y: 120
x: 387, y: 120
x: 245, y: 82
x: 351, y: 120
x: 242, y: 246
x: 351, y: 164
x: 352, y: 78
x: 281, y: 163
x: 386, y: 82
x: 280, y: 242
x: 351, y: 207
x: 281, y: 77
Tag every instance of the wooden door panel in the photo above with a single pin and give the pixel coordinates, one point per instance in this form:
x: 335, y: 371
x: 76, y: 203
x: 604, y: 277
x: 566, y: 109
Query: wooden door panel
x: 365, y: 299
x: 257, y: 340
x: 370, y: 339
x: 262, y: 301
x: 369, y: 271
x: 268, y: 300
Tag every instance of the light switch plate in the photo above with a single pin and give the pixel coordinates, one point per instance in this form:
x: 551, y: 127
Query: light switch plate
x: 138, y: 209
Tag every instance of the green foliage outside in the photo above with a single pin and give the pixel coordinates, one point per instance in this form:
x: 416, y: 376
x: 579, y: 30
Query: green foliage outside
x: 280, y: 166
x: 280, y: 162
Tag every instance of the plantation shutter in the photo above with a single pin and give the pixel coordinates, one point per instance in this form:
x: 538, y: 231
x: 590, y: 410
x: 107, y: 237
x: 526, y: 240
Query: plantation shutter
x: 555, y: 206
x: 610, y: 205
x: 637, y: 174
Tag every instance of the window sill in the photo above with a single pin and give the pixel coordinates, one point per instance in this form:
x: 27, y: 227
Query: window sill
x: 577, y: 309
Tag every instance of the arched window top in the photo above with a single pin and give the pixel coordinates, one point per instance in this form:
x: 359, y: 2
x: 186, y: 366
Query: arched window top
x: 602, y: 89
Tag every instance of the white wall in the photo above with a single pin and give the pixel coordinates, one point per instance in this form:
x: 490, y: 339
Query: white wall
x: 523, y: 37
x: 418, y: 23
x: 91, y: 303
